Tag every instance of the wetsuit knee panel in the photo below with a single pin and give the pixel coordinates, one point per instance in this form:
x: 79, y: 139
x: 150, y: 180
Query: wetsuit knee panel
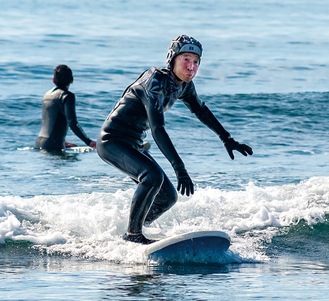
x: 153, y: 177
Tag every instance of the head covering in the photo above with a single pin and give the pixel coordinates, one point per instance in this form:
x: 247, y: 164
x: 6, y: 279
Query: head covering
x: 180, y: 45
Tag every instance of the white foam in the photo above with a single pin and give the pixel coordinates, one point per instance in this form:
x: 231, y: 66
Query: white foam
x: 91, y: 225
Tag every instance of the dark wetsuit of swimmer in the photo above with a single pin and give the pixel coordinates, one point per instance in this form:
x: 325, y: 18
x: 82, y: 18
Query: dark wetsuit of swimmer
x: 142, y: 107
x: 58, y: 113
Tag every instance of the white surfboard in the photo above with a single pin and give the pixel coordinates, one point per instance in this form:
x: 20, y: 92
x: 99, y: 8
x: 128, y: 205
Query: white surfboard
x: 203, y: 247
x: 79, y: 149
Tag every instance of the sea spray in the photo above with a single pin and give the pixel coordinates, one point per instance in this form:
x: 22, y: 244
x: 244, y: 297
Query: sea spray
x: 92, y: 225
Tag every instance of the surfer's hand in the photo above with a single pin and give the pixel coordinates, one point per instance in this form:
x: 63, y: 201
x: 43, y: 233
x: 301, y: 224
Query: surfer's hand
x: 185, y: 184
x: 92, y: 144
x: 231, y: 145
x: 69, y: 144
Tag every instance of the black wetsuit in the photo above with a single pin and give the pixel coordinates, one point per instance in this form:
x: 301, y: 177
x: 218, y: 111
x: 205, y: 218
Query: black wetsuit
x: 58, y: 113
x: 142, y: 107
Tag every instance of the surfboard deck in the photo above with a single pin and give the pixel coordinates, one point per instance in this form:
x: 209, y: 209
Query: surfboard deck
x: 79, y: 149
x: 202, y: 247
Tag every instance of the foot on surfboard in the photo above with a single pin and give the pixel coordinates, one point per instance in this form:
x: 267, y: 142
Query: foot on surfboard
x: 138, y: 238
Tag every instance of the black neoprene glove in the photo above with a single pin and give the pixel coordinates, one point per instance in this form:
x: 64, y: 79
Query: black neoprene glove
x: 231, y: 144
x: 185, y: 184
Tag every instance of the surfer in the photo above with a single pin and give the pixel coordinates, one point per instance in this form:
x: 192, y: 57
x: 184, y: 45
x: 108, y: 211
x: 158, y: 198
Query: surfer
x: 58, y: 113
x: 142, y: 107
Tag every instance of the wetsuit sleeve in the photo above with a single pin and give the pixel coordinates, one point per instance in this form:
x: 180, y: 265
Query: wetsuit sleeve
x: 209, y: 119
x: 204, y: 114
x: 153, y: 102
x: 70, y: 114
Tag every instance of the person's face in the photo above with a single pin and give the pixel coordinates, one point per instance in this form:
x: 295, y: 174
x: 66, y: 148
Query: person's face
x: 186, y: 66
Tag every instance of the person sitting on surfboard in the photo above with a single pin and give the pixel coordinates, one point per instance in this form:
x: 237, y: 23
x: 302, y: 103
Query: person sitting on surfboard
x: 142, y: 107
x: 58, y: 113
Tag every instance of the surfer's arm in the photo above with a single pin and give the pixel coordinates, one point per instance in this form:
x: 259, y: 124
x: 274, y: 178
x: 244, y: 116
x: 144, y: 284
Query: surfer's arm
x: 154, y: 109
x: 161, y: 138
x: 196, y: 106
x: 70, y: 114
x: 184, y: 182
x: 208, y: 118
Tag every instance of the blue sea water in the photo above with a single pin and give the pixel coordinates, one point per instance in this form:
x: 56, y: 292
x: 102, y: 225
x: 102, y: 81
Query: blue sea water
x: 264, y: 73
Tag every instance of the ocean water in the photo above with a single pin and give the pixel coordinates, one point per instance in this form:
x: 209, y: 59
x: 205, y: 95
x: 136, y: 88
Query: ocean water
x: 264, y: 74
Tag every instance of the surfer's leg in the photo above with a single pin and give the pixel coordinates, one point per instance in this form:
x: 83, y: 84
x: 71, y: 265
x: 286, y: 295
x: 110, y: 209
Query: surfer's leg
x: 143, y: 170
x: 150, y: 181
x: 165, y: 199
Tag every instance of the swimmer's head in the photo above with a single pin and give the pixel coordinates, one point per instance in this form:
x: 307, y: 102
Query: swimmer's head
x: 63, y: 76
